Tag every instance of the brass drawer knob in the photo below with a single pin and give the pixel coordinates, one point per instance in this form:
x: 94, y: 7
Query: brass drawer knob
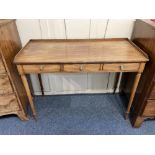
x: 81, y: 67
x: 41, y: 67
x: 122, y: 67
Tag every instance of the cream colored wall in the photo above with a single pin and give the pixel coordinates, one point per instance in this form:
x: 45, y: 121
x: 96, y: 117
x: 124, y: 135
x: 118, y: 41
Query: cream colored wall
x: 68, y: 29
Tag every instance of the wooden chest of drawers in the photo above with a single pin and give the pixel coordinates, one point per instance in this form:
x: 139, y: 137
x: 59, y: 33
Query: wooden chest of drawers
x: 12, y: 93
x: 144, y: 102
x: 152, y: 93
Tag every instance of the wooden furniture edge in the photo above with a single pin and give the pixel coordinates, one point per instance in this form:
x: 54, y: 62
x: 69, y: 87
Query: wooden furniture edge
x: 93, y: 39
x: 107, y: 39
x: 7, y: 21
x: 140, y: 50
x: 19, y: 52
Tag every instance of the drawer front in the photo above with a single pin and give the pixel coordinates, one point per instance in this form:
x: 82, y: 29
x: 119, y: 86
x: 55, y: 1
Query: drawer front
x: 73, y: 68
x: 41, y: 68
x: 5, y: 85
x: 152, y: 94
x: 121, y: 67
x: 93, y: 67
x: 82, y: 68
x: 2, y: 68
x: 117, y: 67
x: 150, y: 108
x: 8, y: 103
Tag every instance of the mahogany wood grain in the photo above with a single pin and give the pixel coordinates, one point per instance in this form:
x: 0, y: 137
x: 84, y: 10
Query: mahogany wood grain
x: 144, y: 37
x: 149, y: 109
x: 134, y: 87
x: 152, y: 93
x: 138, y: 121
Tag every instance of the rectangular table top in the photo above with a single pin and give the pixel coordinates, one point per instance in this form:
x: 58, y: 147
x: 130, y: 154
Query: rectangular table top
x: 79, y: 51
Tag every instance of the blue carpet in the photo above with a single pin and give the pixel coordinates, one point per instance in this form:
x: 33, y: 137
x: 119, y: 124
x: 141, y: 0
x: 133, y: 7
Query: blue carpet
x: 77, y: 115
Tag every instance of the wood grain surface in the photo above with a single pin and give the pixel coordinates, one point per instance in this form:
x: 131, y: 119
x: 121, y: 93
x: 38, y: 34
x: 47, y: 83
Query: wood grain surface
x: 79, y: 51
x: 13, y: 99
x: 5, y: 85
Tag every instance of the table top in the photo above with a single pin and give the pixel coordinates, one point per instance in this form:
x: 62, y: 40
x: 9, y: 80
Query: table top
x: 79, y: 51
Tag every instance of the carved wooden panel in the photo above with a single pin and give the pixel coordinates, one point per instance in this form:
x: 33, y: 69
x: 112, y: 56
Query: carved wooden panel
x: 5, y: 85
x: 8, y: 103
x: 2, y: 69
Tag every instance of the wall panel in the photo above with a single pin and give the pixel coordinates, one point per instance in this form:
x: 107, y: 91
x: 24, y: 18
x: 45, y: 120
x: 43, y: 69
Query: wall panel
x: 77, y: 28
x: 28, y: 29
x: 53, y: 28
x: 119, y: 28
x: 98, y: 28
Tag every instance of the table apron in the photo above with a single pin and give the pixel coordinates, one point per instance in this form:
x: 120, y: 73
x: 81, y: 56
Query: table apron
x: 77, y: 68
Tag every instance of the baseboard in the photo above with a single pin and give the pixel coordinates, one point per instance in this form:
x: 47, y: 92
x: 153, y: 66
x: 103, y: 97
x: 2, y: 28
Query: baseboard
x: 79, y: 92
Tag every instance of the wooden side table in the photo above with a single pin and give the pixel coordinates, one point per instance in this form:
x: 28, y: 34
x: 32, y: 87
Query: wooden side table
x: 80, y: 55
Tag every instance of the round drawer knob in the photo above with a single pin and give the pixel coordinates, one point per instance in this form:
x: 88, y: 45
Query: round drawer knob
x: 122, y: 67
x: 81, y: 68
x: 41, y: 67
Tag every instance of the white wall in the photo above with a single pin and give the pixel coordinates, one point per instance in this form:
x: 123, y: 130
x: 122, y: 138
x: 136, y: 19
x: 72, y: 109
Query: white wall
x: 69, y: 29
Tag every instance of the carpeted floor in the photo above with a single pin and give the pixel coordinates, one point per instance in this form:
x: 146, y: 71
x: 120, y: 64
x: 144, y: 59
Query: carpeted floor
x: 77, y: 115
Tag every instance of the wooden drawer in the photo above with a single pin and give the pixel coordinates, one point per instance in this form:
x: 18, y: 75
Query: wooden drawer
x: 121, y: 67
x: 41, y: 68
x: 8, y: 103
x: 152, y: 94
x: 82, y: 68
x: 93, y: 67
x: 2, y: 68
x: 5, y: 85
x: 150, y: 108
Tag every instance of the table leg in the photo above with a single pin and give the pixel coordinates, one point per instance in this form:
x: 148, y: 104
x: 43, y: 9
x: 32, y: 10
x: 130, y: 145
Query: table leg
x: 41, y: 84
x: 24, y: 80
x: 116, y: 81
x: 133, y: 91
